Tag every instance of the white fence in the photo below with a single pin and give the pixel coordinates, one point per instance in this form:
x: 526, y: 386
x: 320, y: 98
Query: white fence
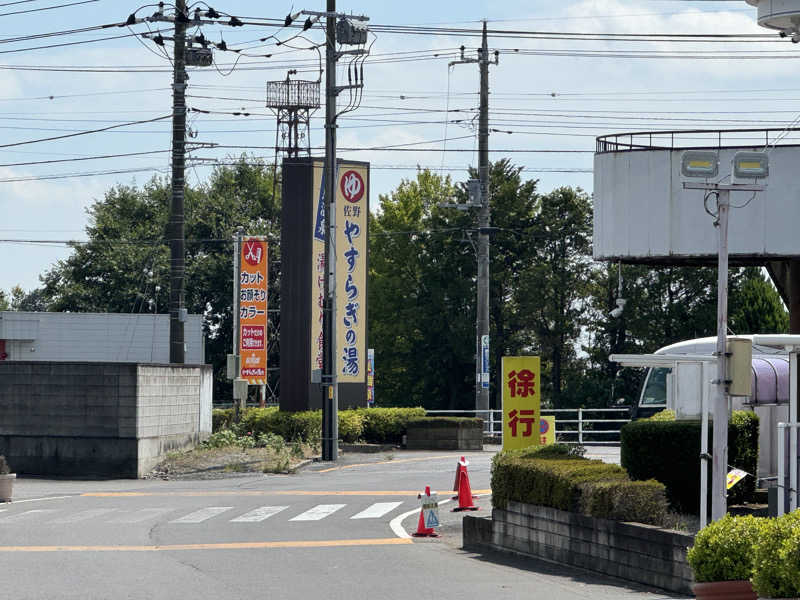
x: 573, y: 425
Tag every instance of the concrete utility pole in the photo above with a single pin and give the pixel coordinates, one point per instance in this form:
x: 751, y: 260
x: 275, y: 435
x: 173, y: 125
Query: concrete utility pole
x: 176, y: 230
x: 484, y: 222
x: 330, y: 391
x: 484, y: 228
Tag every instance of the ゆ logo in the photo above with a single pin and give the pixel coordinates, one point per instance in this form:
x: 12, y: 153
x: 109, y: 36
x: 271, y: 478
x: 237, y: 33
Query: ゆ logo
x: 352, y: 186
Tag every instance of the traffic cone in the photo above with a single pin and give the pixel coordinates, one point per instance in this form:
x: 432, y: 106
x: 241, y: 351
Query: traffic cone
x: 423, y: 531
x: 461, y: 465
x: 464, y: 494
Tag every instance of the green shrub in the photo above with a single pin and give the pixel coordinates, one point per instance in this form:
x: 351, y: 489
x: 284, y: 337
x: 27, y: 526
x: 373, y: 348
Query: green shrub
x: 723, y: 550
x: 387, y: 425
x: 553, y: 451
x: 664, y: 415
x: 221, y: 418
x: 446, y: 422
x: 669, y: 452
x: 221, y: 439
x: 351, y: 425
x: 551, y: 477
x: 776, y: 561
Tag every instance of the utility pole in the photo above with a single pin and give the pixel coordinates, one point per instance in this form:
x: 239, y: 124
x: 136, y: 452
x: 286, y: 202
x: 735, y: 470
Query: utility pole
x: 176, y: 227
x: 484, y: 222
x: 351, y: 35
x: 330, y: 389
x: 484, y: 228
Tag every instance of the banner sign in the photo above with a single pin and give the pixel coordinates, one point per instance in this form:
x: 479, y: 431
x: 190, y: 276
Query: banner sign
x: 318, y: 267
x: 370, y: 376
x: 735, y: 476
x: 485, y: 362
x: 352, y: 210
x: 253, y: 310
x: 521, y: 402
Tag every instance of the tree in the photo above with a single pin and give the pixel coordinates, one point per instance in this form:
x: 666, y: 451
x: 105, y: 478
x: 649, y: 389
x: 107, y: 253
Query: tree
x: 552, y: 291
x: 3, y: 301
x: 124, y: 266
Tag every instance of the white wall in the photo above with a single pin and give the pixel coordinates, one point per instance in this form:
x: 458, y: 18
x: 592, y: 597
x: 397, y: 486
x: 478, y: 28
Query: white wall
x: 108, y: 337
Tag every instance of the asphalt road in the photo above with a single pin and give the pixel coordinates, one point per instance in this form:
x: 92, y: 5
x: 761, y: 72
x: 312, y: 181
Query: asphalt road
x: 332, y: 531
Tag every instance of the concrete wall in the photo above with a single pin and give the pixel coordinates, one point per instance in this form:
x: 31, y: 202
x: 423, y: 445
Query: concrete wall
x: 100, y: 419
x: 457, y: 437
x: 101, y: 337
x: 632, y: 551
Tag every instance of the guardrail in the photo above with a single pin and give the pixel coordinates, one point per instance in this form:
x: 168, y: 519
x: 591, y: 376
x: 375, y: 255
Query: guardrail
x: 697, y: 138
x: 578, y: 430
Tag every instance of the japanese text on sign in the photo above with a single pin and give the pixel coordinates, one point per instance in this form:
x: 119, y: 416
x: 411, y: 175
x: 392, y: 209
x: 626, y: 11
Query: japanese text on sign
x: 521, y: 402
x: 253, y: 310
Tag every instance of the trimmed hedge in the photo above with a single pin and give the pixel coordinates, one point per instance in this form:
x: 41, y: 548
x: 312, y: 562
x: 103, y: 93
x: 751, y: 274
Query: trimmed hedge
x: 576, y: 484
x: 373, y: 425
x: 669, y: 451
x: 447, y: 422
x: 723, y: 550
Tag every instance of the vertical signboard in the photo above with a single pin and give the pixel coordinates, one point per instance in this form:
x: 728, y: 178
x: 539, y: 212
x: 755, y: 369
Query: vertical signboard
x: 547, y: 430
x: 370, y: 376
x: 485, y: 362
x: 521, y: 401
x: 253, y: 310
x: 352, y: 209
x: 318, y: 266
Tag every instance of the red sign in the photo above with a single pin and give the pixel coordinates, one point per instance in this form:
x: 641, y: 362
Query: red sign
x: 254, y: 251
x: 352, y: 186
x: 253, y: 310
x: 253, y: 337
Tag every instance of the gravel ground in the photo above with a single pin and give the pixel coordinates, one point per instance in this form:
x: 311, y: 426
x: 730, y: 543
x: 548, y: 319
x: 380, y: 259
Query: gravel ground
x: 217, y: 463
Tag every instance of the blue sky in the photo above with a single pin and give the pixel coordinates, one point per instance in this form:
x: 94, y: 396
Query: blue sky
x: 549, y: 102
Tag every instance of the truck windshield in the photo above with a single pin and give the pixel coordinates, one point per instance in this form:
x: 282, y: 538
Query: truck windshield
x: 655, y: 388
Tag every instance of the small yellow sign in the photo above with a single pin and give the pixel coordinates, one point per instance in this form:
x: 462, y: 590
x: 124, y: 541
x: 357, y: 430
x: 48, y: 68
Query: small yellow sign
x: 547, y: 430
x: 735, y: 476
x: 521, y: 402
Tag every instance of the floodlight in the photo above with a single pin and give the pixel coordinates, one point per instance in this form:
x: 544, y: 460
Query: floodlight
x: 750, y: 165
x: 699, y: 163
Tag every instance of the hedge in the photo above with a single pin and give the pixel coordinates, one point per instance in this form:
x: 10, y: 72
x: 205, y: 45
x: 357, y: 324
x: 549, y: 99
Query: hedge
x: 374, y: 425
x: 669, y: 451
x: 447, y: 422
x: 576, y: 484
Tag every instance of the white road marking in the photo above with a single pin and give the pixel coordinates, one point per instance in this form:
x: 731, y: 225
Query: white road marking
x: 377, y: 510
x: 140, y: 515
x: 27, y: 515
x: 84, y: 515
x: 203, y: 514
x: 396, y: 524
x: 318, y: 512
x: 259, y: 514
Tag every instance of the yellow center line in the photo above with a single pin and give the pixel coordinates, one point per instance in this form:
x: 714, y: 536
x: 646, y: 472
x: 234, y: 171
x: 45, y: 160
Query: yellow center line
x: 389, y: 462
x: 228, y: 546
x: 261, y: 493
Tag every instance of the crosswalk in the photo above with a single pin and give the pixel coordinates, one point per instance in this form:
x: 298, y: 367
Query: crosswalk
x: 53, y: 516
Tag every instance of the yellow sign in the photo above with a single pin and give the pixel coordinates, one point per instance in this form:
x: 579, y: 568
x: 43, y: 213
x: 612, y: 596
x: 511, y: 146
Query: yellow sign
x: 547, y: 430
x: 352, y: 211
x: 521, y: 402
x: 735, y: 476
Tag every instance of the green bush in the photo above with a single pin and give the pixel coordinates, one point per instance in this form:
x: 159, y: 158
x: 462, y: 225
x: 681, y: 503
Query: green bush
x: 669, y: 452
x: 387, y: 425
x: 551, y: 477
x: 723, y: 550
x: 446, y: 422
x: 351, y: 425
x: 664, y: 415
x: 776, y: 561
x: 221, y: 418
x: 221, y: 439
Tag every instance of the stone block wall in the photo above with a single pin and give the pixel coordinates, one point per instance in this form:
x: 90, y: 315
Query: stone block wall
x: 99, y: 419
x: 457, y: 437
x: 632, y: 551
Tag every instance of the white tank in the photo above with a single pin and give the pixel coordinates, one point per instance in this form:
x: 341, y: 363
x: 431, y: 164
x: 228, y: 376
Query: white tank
x: 783, y: 15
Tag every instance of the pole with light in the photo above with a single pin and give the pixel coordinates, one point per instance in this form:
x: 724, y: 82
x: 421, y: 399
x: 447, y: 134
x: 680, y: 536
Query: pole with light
x: 747, y: 166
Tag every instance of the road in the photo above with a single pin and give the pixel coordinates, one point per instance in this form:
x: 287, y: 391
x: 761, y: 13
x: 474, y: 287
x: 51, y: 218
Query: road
x: 334, y: 531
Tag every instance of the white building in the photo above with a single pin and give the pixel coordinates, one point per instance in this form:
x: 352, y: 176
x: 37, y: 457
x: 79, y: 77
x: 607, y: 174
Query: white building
x: 106, y: 337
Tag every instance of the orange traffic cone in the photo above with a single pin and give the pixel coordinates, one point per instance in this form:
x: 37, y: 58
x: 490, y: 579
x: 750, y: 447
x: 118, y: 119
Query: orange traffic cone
x: 423, y: 531
x: 461, y: 465
x: 464, y: 493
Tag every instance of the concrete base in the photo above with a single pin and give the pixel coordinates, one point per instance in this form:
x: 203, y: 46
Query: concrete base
x: 640, y: 553
x: 444, y: 438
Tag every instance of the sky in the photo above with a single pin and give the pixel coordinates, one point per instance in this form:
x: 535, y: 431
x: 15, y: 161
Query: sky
x: 549, y: 98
